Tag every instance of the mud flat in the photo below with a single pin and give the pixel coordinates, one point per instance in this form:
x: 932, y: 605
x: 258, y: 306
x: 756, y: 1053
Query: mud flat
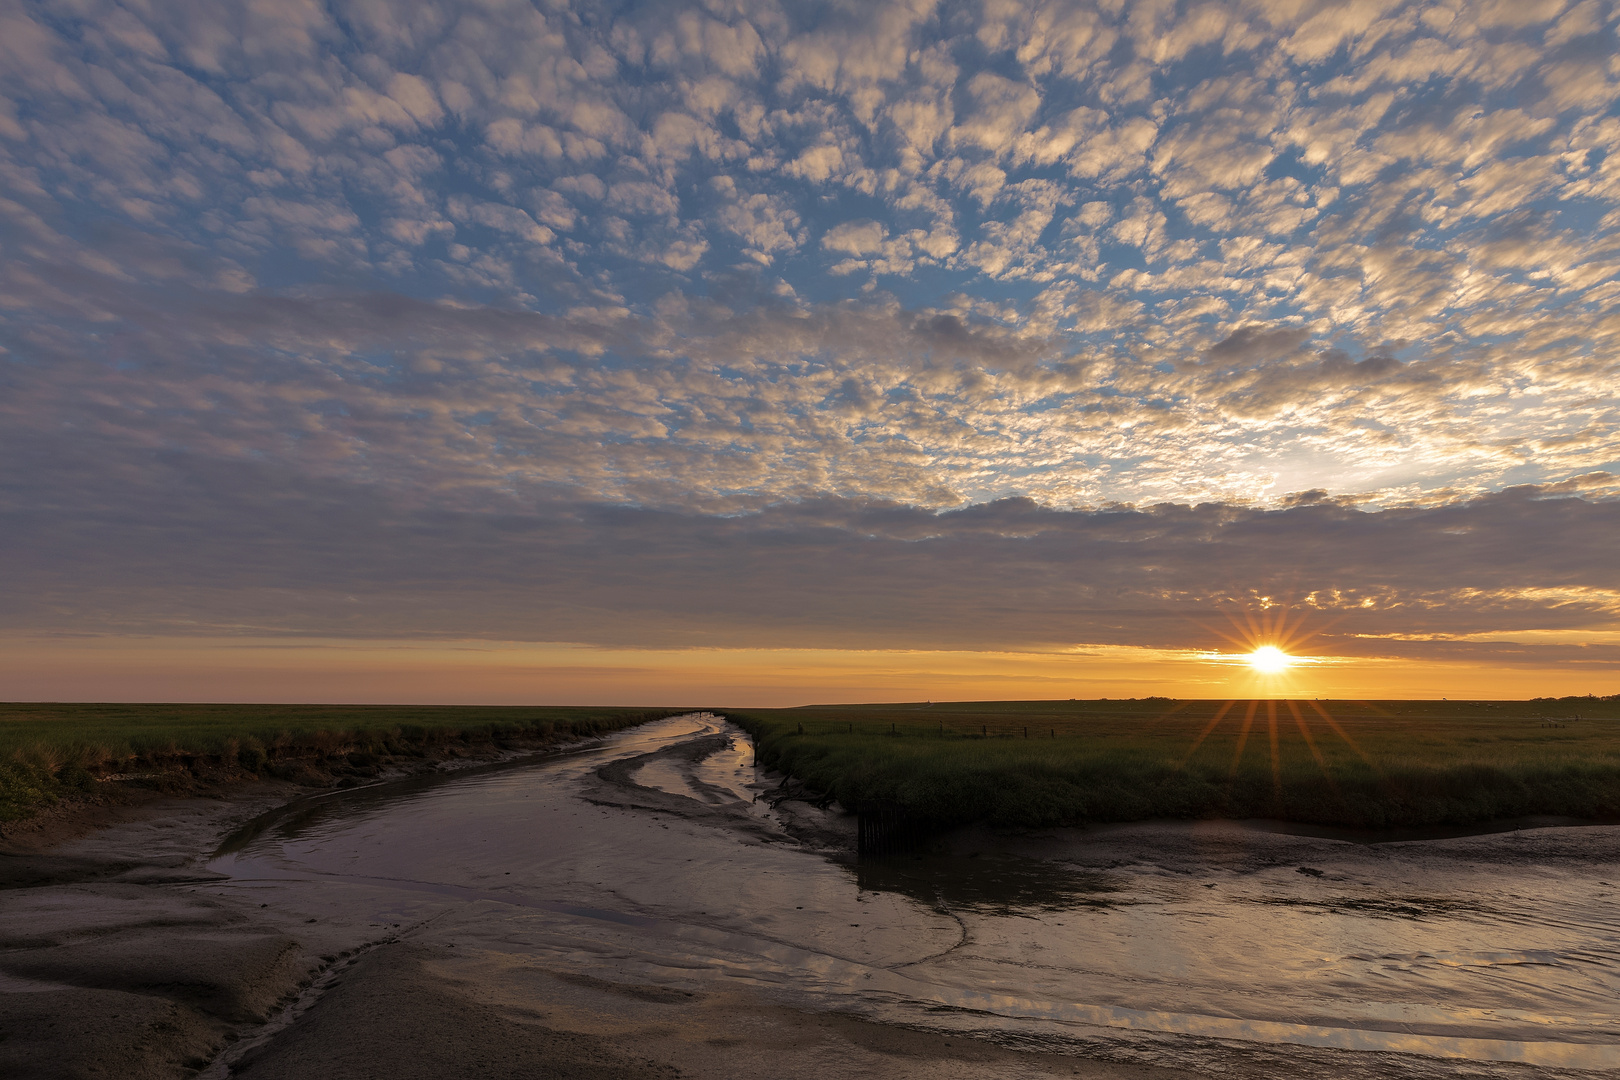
x: 641, y: 910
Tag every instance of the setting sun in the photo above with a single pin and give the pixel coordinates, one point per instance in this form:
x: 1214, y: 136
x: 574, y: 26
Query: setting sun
x: 1270, y: 660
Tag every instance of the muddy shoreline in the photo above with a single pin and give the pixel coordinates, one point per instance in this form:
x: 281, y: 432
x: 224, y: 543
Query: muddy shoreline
x: 320, y: 763
x: 120, y: 962
x: 110, y: 963
x: 147, y: 948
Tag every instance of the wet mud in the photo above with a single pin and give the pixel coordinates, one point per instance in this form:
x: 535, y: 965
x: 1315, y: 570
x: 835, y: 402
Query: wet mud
x: 655, y: 906
x: 387, y: 1018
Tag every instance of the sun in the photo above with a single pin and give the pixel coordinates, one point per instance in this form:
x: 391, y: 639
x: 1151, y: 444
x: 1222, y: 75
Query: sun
x: 1273, y: 645
x: 1270, y: 660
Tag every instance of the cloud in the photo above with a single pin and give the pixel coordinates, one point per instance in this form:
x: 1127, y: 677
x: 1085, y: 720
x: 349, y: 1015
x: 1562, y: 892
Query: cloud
x: 1248, y: 343
x: 705, y: 403
x: 1001, y: 109
x: 507, y: 219
x: 713, y: 259
x: 767, y: 225
x: 177, y: 543
x: 855, y: 237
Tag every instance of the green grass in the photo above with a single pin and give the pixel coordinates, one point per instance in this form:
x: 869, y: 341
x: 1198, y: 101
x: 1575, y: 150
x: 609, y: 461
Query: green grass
x: 1368, y: 764
x: 1380, y: 764
x: 48, y: 751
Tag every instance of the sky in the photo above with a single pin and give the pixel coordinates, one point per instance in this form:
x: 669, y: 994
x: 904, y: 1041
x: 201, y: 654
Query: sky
x: 740, y: 352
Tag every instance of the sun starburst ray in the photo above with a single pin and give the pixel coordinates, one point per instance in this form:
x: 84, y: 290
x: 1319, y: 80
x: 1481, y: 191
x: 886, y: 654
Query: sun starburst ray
x: 1202, y: 735
x: 1338, y: 730
x: 1310, y: 741
x: 1276, y: 751
x: 1243, y: 739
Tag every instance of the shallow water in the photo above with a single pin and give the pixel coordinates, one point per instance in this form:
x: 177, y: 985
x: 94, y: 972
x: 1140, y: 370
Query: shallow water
x: 1493, y: 948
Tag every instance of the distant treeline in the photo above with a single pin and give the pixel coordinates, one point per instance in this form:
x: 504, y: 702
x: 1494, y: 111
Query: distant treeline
x: 1378, y: 765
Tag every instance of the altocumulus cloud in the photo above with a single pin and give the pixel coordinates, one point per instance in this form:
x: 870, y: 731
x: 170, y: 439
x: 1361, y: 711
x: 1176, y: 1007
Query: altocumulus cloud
x: 968, y: 324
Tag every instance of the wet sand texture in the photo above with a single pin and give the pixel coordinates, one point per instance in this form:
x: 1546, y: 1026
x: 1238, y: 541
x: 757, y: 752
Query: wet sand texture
x: 112, y: 966
x: 101, y: 1035
x: 387, y: 1018
x: 740, y: 1035
x: 238, y: 978
x: 125, y: 980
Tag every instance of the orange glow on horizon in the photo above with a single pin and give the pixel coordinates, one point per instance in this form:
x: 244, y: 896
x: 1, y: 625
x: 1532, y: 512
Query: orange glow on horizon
x: 526, y: 673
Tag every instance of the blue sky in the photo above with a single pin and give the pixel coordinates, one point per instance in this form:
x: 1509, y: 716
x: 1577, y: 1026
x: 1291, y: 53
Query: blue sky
x: 508, y: 260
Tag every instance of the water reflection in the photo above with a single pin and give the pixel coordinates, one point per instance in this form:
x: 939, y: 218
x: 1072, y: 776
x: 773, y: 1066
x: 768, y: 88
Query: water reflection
x: 1501, y: 948
x: 312, y: 814
x: 987, y: 884
x: 1402, y: 907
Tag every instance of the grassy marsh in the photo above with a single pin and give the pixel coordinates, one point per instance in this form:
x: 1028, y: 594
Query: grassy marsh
x: 48, y: 751
x: 1365, y: 764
